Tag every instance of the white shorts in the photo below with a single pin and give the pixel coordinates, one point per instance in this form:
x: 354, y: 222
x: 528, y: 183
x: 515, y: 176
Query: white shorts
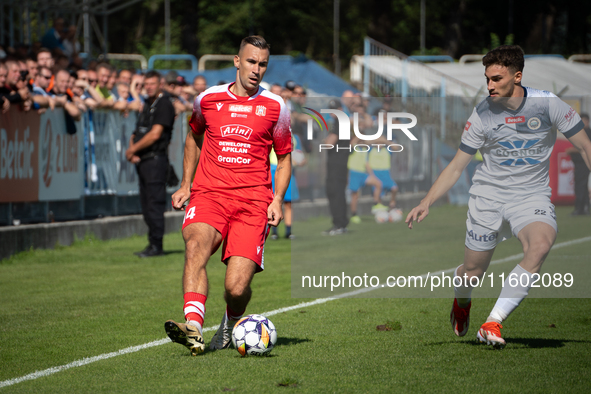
x: 490, y: 222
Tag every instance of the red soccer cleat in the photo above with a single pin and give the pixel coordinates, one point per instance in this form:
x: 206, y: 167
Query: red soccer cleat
x: 460, y: 318
x: 490, y: 333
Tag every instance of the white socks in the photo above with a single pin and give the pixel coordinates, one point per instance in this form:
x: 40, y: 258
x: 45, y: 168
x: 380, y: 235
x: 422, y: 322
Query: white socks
x: 196, y: 324
x: 462, y: 293
x: 511, y: 297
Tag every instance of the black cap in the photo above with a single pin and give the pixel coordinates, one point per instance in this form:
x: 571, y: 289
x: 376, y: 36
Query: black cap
x: 171, y: 77
x: 334, y: 104
x: 290, y: 85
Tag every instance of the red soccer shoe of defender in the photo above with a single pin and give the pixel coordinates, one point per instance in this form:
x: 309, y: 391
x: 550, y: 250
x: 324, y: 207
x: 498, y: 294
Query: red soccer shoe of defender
x: 490, y: 333
x: 460, y: 318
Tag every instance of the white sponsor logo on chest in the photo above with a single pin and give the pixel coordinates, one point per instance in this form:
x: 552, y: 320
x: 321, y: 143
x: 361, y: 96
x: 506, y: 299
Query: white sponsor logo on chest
x: 236, y: 129
x: 515, y: 119
x: 240, y: 108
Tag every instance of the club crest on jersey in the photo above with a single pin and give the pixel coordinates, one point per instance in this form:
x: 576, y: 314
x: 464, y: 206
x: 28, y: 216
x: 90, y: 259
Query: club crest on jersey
x: 515, y: 119
x: 240, y: 108
x: 261, y: 110
x: 236, y: 129
x: 219, y: 105
x: 534, y: 123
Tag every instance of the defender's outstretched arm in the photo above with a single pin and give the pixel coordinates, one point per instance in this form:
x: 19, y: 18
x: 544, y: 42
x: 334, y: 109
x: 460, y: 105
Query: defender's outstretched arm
x: 444, y: 182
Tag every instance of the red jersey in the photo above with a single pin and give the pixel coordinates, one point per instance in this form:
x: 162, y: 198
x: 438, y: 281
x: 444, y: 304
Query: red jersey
x: 239, y: 133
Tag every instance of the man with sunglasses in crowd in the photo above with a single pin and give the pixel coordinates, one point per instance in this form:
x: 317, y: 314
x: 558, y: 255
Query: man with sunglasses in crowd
x: 85, y: 91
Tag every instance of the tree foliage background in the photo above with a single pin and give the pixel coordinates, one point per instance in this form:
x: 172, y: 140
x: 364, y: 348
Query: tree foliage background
x: 453, y: 27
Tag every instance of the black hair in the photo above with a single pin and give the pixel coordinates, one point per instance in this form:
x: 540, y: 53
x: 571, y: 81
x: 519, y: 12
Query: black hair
x: 256, y: 41
x: 510, y: 56
x: 152, y: 74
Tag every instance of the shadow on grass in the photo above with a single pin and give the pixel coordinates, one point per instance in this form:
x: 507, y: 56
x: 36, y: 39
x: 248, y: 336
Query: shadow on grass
x: 538, y: 343
x: 531, y: 343
x: 282, y: 341
x: 167, y: 252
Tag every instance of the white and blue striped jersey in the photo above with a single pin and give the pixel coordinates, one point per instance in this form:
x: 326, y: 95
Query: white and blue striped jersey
x: 516, y: 144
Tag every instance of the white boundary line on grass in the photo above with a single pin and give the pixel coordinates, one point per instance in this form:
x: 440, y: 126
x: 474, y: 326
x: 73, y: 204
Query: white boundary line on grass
x: 133, y: 349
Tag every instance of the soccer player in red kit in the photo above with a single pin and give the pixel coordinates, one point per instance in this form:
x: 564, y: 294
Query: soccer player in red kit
x: 231, y: 199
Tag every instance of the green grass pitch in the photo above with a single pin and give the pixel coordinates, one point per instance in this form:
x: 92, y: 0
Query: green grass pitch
x: 93, y: 298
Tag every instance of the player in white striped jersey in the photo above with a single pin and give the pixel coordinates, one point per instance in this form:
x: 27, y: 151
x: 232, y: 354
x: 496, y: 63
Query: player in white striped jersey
x: 514, y: 129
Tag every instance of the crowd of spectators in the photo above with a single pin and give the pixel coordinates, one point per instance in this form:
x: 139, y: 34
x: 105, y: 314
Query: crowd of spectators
x: 50, y: 74
x: 38, y: 78
x: 39, y: 81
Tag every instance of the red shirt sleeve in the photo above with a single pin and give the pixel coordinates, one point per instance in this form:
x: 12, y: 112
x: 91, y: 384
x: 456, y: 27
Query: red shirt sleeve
x: 197, y: 121
x: 282, y: 131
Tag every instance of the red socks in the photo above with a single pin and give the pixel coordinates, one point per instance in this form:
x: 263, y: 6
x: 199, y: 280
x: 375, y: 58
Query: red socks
x: 233, y: 315
x: 195, y: 307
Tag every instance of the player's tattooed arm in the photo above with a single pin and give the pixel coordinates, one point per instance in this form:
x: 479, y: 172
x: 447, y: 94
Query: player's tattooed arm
x: 449, y: 176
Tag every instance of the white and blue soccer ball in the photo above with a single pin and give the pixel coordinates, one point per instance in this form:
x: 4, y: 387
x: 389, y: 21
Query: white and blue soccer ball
x: 395, y: 215
x: 381, y: 216
x: 298, y: 157
x: 254, y: 335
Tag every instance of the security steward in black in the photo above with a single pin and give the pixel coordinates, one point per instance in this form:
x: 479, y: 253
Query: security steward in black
x: 148, y: 150
x: 337, y: 175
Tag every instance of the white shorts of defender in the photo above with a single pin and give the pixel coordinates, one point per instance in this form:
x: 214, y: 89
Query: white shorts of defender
x: 490, y: 222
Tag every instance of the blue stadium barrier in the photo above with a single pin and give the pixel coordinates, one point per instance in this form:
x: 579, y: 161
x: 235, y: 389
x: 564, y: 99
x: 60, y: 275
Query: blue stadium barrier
x: 545, y: 56
x: 432, y: 58
x: 47, y: 174
x: 282, y: 68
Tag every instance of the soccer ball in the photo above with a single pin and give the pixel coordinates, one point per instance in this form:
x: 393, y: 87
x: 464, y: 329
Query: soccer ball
x: 395, y: 215
x: 381, y: 216
x: 298, y: 157
x: 254, y: 335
